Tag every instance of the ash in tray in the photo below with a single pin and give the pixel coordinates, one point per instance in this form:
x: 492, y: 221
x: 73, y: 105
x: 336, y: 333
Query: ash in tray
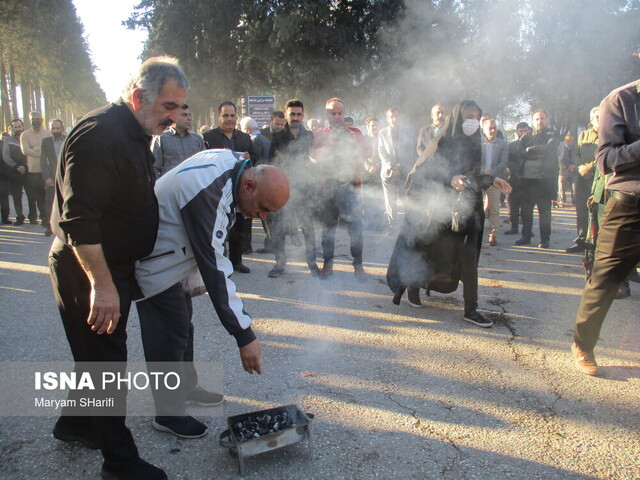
x: 254, y: 427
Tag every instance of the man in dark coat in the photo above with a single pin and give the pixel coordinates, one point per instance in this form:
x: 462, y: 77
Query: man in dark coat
x: 539, y: 153
x: 226, y: 136
x: 50, y: 151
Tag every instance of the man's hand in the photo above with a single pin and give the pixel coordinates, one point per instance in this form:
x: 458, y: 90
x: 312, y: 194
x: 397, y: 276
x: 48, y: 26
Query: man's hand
x: 105, y: 309
x: 396, y: 169
x: 21, y: 170
x: 104, y: 301
x: 250, y: 356
x: 502, y: 185
x: 48, y: 182
x: 459, y: 182
x: 584, y: 169
x: 373, y: 170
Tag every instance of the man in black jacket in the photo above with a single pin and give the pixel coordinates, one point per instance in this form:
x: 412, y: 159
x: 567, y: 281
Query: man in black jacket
x: 277, y: 124
x: 618, y: 250
x: 16, y: 167
x: 226, y: 136
x: 539, y: 153
x: 105, y: 217
x: 290, y: 151
x: 50, y: 151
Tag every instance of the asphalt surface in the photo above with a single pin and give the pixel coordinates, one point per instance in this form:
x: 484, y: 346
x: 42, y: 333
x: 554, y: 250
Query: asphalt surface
x: 397, y: 392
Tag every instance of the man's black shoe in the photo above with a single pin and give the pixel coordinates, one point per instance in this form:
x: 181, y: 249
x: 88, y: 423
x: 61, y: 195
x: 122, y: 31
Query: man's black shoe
x: 139, y: 471
x: 247, y: 251
x: 20, y: 220
x: 264, y: 250
x: 512, y: 231
x: 6, y: 221
x: 183, y: 427
x: 241, y: 268
x: 68, y: 434
x: 276, y: 271
x: 634, y: 276
x: 575, y: 248
x: 327, y: 270
x: 33, y: 221
x: 523, y: 241
x: 623, y: 292
x: 478, y: 319
x: 204, y: 398
x: 544, y: 244
x: 314, y: 270
x: 413, y: 295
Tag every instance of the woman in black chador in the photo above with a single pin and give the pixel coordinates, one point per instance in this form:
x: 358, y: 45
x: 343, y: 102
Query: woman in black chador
x: 440, y: 241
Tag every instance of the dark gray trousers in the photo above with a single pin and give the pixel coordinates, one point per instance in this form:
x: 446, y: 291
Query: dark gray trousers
x: 167, y: 336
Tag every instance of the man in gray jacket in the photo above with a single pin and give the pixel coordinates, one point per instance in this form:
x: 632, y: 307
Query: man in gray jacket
x: 198, y: 202
x: 397, y: 156
x: 495, y: 159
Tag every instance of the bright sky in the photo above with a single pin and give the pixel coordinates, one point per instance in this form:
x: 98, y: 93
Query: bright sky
x: 115, y: 50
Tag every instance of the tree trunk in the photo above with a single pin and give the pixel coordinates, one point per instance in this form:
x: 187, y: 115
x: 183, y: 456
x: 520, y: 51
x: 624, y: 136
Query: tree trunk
x: 14, y: 92
x: 25, y: 89
x: 6, y: 106
x: 37, y: 96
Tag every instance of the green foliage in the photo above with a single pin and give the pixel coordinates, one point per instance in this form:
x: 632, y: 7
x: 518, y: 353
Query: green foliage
x: 509, y: 55
x: 42, y: 43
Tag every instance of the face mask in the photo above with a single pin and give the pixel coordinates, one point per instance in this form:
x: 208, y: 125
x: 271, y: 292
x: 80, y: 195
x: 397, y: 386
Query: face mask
x: 36, y: 123
x: 470, y: 126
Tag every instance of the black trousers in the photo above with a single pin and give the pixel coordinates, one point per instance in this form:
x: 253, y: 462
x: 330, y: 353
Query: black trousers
x: 36, y: 196
x: 50, y: 194
x: 239, y: 238
x: 167, y: 336
x: 617, y: 253
x: 72, y: 292
x: 5, y: 189
x: 281, y: 224
x: 537, y: 193
x: 341, y: 201
x: 583, y: 190
x: 16, y: 185
x: 515, y: 202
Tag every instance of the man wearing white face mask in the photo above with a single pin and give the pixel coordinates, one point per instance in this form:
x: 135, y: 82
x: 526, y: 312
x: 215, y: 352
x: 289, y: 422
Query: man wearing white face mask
x: 539, y: 177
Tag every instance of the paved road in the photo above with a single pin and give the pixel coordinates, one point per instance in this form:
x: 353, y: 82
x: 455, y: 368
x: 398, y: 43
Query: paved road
x: 397, y: 392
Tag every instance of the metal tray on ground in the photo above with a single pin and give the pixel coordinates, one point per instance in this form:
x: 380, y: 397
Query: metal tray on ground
x: 295, y: 429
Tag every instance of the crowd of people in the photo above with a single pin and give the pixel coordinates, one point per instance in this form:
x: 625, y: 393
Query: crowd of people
x: 144, y: 210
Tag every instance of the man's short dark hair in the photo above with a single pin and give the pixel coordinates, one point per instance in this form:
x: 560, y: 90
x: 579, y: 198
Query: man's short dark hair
x: 56, y: 120
x: 277, y: 113
x: 540, y: 110
x: 522, y: 125
x: 349, y: 119
x: 294, y: 102
x: 226, y: 104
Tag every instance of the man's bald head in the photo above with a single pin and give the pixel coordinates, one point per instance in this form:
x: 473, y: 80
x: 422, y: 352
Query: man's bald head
x: 263, y: 190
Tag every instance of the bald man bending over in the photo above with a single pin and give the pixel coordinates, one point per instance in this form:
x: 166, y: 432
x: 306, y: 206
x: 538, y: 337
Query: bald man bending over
x: 198, y: 202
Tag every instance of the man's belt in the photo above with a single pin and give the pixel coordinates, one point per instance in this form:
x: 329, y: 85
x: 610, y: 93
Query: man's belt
x: 627, y: 198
